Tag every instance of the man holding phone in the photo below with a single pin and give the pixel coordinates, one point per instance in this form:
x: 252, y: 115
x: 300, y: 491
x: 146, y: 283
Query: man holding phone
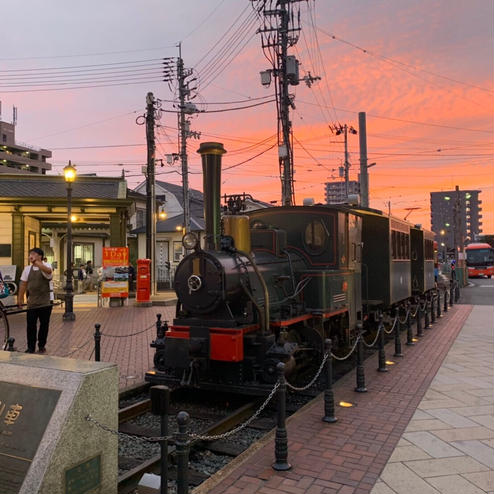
x: 35, y: 282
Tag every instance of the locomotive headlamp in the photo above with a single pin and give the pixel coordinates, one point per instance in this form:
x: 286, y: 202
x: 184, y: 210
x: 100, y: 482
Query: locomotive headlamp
x: 190, y: 241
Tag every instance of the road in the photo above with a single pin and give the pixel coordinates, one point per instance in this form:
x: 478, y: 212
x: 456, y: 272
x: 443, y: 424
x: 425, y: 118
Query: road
x: 480, y: 291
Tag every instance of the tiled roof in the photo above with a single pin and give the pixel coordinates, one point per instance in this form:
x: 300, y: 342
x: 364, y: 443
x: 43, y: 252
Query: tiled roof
x: 56, y: 188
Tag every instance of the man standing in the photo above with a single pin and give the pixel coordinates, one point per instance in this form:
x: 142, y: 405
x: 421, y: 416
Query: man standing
x: 35, y: 280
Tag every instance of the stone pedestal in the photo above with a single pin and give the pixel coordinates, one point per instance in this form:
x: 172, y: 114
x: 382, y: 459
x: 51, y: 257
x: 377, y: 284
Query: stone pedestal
x: 46, y: 444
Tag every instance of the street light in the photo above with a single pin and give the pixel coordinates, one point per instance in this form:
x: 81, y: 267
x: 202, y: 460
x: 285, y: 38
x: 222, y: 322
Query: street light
x: 69, y: 173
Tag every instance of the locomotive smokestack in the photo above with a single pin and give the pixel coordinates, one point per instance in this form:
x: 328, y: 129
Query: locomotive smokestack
x: 211, y: 170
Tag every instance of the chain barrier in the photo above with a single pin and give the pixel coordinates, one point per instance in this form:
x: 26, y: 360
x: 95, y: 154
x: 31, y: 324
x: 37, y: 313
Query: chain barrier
x: 392, y: 328
x: 406, y: 317
x: 124, y: 434
x: 77, y: 349
x: 318, y: 373
x: 349, y: 353
x: 375, y: 340
x: 415, y: 313
x: 128, y: 335
x: 195, y: 437
x: 198, y: 437
x: 422, y: 307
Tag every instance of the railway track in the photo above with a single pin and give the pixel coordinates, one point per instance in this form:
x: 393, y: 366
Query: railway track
x: 217, y: 424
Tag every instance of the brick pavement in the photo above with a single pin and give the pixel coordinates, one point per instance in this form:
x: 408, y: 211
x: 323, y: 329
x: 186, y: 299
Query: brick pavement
x: 348, y: 456
x: 132, y: 354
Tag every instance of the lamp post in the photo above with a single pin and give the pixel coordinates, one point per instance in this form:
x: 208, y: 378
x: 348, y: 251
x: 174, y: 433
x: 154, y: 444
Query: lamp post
x: 69, y: 174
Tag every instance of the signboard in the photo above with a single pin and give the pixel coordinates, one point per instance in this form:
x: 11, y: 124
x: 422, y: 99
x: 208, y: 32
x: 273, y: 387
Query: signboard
x: 83, y: 477
x: 24, y: 415
x: 115, y: 282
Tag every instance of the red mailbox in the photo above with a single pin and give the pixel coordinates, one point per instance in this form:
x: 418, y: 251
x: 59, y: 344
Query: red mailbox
x: 143, y: 280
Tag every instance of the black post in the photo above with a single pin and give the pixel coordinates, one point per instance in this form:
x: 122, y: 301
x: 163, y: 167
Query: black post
x: 97, y: 343
x: 69, y: 315
x: 328, y: 392
x: 381, y: 354
x: 158, y: 326
x: 418, y: 318
x: 451, y: 294
x: 426, y: 313
x: 410, y: 341
x: 182, y: 453
x: 281, y: 437
x: 10, y: 344
x: 445, y: 300
x: 438, y: 292
x: 160, y: 400
x: 397, y: 334
x: 433, y: 309
x: 360, y: 388
x: 457, y: 291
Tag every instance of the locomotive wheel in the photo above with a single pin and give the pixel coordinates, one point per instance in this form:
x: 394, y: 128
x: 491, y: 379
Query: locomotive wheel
x: 159, y: 360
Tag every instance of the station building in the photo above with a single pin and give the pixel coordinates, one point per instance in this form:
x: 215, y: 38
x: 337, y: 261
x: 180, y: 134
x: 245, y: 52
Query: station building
x: 33, y: 213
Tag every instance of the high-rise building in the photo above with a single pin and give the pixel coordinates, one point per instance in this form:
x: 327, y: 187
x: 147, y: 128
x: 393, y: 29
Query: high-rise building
x: 336, y: 191
x: 455, y: 217
x: 19, y: 157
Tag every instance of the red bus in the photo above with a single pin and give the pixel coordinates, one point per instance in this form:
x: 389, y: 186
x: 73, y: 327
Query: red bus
x: 480, y: 260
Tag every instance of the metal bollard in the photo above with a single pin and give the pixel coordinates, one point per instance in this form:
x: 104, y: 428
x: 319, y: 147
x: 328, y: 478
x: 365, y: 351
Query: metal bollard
x: 418, y: 318
x: 457, y: 291
x: 182, y: 453
x: 397, y: 334
x: 433, y: 310
x: 97, y: 343
x: 328, y: 392
x: 438, y: 303
x: 410, y: 341
x: 160, y: 404
x: 281, y: 437
x: 445, y: 300
x: 360, y: 388
x: 158, y: 326
x: 381, y: 355
x: 451, y: 295
x: 10, y: 344
x: 426, y: 314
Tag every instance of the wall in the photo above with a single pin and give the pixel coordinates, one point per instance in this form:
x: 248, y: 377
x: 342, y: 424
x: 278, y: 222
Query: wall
x: 30, y: 225
x: 5, y: 235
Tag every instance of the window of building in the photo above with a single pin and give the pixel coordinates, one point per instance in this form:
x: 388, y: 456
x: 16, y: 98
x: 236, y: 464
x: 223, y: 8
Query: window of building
x: 177, y: 250
x: 83, y: 252
x: 4, y: 137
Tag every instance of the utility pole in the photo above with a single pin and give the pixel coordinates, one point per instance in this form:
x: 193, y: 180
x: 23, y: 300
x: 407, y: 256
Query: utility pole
x: 150, y: 187
x: 279, y: 32
x: 186, y: 108
x: 344, y: 129
x: 364, y: 175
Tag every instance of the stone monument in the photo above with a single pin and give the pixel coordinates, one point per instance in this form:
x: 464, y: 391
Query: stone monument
x: 46, y: 444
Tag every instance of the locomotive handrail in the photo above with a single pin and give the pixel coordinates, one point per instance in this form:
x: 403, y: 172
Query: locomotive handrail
x: 265, y: 326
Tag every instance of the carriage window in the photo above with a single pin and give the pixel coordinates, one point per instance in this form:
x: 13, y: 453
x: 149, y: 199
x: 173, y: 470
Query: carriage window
x: 315, y: 236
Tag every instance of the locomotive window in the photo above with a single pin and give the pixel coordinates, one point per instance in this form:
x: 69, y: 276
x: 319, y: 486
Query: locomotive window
x: 394, y: 245
x: 400, y: 245
x: 315, y: 236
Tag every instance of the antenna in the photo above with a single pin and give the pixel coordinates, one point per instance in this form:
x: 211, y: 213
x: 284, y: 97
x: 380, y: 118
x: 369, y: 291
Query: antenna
x: 14, y: 115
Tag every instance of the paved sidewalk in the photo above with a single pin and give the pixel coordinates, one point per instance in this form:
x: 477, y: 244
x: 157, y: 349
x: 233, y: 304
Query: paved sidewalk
x: 448, y: 446
x: 127, y: 333
x: 348, y: 456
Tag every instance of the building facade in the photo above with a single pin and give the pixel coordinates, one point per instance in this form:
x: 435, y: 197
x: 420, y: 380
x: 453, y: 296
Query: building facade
x: 455, y: 218
x: 335, y: 192
x: 17, y: 157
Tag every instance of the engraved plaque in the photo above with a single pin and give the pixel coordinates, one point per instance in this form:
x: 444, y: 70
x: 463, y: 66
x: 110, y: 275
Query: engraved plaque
x: 24, y: 414
x: 83, y: 477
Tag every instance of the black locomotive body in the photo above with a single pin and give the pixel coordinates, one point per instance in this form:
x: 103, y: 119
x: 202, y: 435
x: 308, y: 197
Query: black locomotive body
x: 276, y: 282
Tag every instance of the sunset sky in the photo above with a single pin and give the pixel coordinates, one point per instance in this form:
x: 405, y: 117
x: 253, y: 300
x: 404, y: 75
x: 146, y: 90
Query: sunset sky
x: 422, y: 70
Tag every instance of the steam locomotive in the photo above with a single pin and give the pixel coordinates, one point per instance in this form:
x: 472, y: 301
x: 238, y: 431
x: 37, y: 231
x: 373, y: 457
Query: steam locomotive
x: 271, y: 285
